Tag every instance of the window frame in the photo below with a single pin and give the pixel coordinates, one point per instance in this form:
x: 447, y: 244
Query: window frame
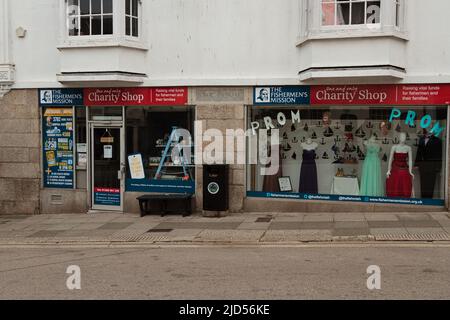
x: 91, y: 16
x: 311, y: 23
x: 117, y: 39
x: 351, y: 3
x: 131, y: 17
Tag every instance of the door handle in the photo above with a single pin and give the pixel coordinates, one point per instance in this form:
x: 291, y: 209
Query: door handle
x: 121, y: 172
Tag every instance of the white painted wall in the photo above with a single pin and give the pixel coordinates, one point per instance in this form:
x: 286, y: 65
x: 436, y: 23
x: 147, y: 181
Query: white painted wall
x: 227, y: 42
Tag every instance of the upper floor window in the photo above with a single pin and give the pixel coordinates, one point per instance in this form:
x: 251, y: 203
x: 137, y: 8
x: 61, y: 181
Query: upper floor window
x: 90, y: 17
x: 103, y: 17
x: 350, y: 12
x: 132, y: 18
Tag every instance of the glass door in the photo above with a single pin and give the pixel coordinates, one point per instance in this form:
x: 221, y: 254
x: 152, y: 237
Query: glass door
x: 107, y: 168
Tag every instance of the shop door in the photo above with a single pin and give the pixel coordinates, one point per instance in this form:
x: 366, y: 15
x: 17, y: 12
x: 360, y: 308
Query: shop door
x: 107, y: 168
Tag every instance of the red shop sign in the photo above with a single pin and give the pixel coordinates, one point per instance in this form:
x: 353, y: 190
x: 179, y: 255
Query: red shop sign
x: 408, y: 94
x: 423, y: 94
x: 135, y: 96
x: 353, y: 94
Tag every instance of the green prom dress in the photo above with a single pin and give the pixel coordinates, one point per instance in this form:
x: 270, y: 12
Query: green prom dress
x: 371, y: 182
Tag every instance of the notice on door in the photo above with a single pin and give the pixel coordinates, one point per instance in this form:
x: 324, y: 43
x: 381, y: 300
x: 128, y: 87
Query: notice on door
x: 108, y: 151
x: 57, y: 135
x: 107, y: 196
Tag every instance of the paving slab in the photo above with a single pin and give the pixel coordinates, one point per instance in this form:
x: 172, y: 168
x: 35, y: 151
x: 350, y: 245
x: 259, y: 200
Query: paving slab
x: 253, y: 226
x: 421, y: 224
x: 385, y: 231
x: 351, y: 232
x: 318, y: 225
x: 74, y: 233
x: 444, y: 223
x: 230, y: 235
x: 349, y: 217
x: 114, y: 226
x: 46, y: 234
x: 380, y: 217
x: 319, y: 218
x: 350, y: 224
x: 424, y: 230
x: 413, y: 216
x: 296, y: 236
x: 289, y: 219
x: 385, y: 224
x: 285, y: 225
x: 199, y: 225
x: 315, y: 235
x: 62, y: 226
x: 441, y: 216
x: 88, y: 226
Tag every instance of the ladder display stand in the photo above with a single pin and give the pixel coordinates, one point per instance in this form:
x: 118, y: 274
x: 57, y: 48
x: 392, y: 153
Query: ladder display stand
x: 171, y: 144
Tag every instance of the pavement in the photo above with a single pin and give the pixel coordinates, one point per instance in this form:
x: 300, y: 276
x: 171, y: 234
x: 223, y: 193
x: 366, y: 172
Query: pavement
x: 247, y: 229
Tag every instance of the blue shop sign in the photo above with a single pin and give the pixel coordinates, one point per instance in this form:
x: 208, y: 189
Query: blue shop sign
x: 362, y: 199
x: 285, y: 95
x: 60, y: 97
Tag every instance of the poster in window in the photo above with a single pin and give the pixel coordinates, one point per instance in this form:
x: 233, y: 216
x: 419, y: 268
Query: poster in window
x: 57, y: 143
x: 285, y: 184
x: 136, y: 166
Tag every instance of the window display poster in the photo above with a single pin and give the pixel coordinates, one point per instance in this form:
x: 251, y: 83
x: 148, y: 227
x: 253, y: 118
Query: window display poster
x: 136, y: 166
x: 58, y: 162
x: 285, y: 184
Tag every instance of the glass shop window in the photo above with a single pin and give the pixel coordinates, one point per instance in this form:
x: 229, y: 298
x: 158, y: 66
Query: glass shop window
x: 148, y: 132
x: 380, y: 152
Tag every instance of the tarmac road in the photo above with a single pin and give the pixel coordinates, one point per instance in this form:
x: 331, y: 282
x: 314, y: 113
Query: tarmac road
x: 408, y: 271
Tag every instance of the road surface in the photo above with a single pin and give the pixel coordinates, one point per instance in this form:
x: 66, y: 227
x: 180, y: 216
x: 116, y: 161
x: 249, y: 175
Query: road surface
x: 219, y: 272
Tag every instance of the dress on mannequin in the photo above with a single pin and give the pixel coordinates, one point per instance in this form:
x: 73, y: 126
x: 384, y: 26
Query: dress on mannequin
x: 308, y: 170
x: 270, y: 183
x: 371, y: 182
x: 399, y: 176
x: 399, y: 183
x: 429, y: 162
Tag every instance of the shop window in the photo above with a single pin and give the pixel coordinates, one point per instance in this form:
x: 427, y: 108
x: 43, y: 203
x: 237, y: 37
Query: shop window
x: 355, y: 153
x: 132, y: 17
x: 148, y: 130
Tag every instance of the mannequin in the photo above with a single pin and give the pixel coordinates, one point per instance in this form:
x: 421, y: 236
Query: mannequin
x: 429, y: 162
x: 308, y: 170
x: 371, y: 182
x: 399, y: 174
x: 309, y: 145
x: 270, y: 182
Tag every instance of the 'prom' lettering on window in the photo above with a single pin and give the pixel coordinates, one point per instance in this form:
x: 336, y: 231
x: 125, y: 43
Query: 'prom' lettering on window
x: 425, y: 121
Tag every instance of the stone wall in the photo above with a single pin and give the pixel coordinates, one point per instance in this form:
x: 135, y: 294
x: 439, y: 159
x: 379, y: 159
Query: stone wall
x: 19, y: 153
x: 222, y: 109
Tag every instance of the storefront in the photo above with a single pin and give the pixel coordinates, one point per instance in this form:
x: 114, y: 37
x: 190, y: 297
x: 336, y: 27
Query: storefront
x: 100, y: 144
x: 374, y: 146
x: 103, y: 147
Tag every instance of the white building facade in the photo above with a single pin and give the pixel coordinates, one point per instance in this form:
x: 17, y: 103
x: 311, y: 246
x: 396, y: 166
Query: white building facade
x: 90, y: 91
